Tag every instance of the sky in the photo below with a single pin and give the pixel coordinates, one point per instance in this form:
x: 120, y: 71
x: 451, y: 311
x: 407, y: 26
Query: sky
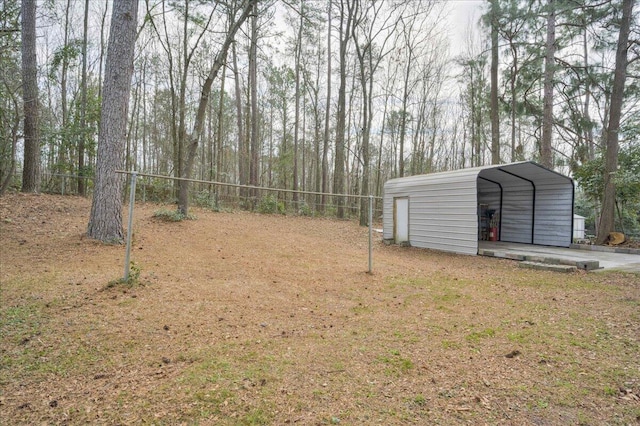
x: 463, y: 14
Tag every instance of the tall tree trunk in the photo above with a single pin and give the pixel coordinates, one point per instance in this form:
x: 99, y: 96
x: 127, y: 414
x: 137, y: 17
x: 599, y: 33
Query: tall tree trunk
x: 105, y: 221
x: 253, y: 85
x: 327, y: 117
x: 64, y: 75
x: 242, y: 142
x: 296, y: 124
x: 339, y: 165
x: 514, y: 101
x: 103, y: 24
x: 607, y: 217
x: 546, y: 154
x: 15, y: 128
x: 219, y: 138
x: 83, y: 104
x: 495, y: 116
x: 31, y: 165
x: 181, y: 139
x: 379, y: 182
x: 403, y: 116
x: 588, y: 132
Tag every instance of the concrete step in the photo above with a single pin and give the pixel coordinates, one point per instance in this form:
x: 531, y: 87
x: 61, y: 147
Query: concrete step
x: 547, y: 267
x: 587, y: 265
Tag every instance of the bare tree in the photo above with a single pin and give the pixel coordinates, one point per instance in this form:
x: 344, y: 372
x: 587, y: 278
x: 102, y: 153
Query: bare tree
x: 327, y: 116
x: 369, y: 24
x: 243, y: 144
x: 346, y: 20
x: 298, y: 94
x: 105, y: 221
x: 31, y: 165
x: 198, y: 125
x: 411, y: 40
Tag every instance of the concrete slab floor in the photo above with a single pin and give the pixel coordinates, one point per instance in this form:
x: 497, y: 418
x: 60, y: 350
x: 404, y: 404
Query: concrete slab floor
x: 608, y: 261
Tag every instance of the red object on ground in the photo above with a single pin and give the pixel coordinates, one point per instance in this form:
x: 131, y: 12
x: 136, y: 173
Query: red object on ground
x: 493, y: 234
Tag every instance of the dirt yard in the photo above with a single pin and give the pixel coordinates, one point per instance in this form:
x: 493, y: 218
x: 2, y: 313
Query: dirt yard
x: 247, y: 319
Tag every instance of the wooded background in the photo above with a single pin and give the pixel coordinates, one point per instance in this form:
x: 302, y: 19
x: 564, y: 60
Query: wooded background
x: 329, y: 96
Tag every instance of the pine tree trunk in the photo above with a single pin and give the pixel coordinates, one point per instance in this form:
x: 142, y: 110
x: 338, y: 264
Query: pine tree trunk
x: 327, y: 117
x: 546, y: 155
x: 31, y: 165
x: 607, y: 217
x: 296, y: 125
x: 83, y: 113
x: 105, y: 222
x: 253, y: 84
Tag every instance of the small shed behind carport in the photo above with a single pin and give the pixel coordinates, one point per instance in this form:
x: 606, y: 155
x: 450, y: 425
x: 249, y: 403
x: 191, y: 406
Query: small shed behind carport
x: 531, y: 204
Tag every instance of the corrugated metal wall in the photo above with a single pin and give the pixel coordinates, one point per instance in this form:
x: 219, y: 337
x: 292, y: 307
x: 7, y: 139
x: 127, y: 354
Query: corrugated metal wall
x: 517, y: 213
x: 442, y: 212
x: 554, y: 215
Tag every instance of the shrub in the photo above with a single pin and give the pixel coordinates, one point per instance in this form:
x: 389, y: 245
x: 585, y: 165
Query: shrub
x: 304, y: 209
x: 207, y: 200
x: 270, y: 205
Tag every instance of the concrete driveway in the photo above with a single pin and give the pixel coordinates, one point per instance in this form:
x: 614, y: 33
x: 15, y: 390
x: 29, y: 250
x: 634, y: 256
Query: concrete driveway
x: 608, y: 260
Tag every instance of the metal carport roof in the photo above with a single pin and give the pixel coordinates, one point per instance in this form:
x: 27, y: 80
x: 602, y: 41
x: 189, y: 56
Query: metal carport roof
x: 535, y: 206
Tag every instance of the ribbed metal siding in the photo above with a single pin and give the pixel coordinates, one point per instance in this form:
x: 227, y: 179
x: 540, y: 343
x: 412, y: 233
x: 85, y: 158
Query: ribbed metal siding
x: 517, y: 214
x: 442, y: 211
x: 554, y: 210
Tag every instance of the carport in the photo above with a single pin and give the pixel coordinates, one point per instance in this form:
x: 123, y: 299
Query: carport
x: 451, y: 211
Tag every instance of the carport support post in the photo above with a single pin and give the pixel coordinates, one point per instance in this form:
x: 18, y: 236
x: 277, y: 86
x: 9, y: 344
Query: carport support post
x: 370, y: 234
x: 132, y: 201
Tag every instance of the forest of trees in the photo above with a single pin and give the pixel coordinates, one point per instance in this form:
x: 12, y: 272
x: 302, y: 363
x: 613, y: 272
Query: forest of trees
x: 331, y: 96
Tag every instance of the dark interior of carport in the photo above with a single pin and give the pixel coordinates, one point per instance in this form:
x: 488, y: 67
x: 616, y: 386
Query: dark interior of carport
x: 525, y: 203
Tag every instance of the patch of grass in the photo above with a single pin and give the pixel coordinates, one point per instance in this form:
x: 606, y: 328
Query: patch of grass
x: 20, y: 323
x: 406, y: 337
x: 396, y: 364
x: 256, y: 416
x: 420, y: 400
x: 395, y: 282
x: 208, y: 371
x: 71, y: 359
x: 541, y: 403
x: 476, y: 336
x: 450, y: 344
x: 361, y: 309
x: 132, y: 280
x: 518, y: 337
x: 446, y: 296
x: 172, y: 215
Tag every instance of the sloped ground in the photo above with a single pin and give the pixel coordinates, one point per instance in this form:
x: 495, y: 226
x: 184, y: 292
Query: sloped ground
x: 241, y: 318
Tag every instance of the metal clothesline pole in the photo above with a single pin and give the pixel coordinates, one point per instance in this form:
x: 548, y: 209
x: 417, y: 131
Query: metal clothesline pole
x: 370, y: 234
x: 132, y: 201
